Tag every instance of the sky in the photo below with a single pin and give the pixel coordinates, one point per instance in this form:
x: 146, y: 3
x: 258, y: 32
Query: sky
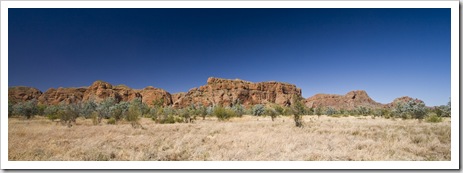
x: 389, y: 53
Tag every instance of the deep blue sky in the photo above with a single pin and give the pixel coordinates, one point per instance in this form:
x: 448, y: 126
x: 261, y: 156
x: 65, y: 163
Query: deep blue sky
x: 387, y: 52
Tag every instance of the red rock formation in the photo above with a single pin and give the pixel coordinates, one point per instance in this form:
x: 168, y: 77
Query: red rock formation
x: 151, y: 95
x: 349, y: 101
x: 22, y: 93
x: 67, y: 95
x: 99, y: 91
x: 403, y: 99
x: 225, y: 92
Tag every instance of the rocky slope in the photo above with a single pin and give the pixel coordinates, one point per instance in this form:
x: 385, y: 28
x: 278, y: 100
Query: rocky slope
x: 67, y: 95
x: 22, y: 93
x: 226, y: 92
x: 349, y: 101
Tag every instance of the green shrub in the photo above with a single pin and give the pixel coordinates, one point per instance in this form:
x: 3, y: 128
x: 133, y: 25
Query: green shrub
x: 27, y: 109
x: 169, y: 119
x: 330, y: 111
x: 112, y: 120
x: 134, y: 112
x: 433, y: 118
x: 258, y: 110
x: 298, y: 109
x: 271, y: 112
x: 223, y: 113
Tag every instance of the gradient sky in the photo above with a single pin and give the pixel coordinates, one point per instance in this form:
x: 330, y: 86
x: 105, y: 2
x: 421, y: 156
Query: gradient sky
x: 387, y: 52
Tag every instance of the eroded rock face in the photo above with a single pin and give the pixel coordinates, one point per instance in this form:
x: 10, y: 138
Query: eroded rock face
x: 22, y: 94
x: 226, y: 92
x: 99, y: 91
x: 67, y: 95
x: 349, y: 101
x: 151, y: 95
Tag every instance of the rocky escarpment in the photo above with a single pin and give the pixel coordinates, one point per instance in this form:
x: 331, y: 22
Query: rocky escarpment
x: 349, y: 101
x: 22, y: 94
x: 225, y: 92
x: 101, y: 90
x: 217, y: 91
x: 67, y: 95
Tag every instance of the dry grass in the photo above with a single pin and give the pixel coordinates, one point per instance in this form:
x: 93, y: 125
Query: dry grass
x: 243, y: 139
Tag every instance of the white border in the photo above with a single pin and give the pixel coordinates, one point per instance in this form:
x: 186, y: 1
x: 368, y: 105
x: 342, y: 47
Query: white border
x: 453, y: 164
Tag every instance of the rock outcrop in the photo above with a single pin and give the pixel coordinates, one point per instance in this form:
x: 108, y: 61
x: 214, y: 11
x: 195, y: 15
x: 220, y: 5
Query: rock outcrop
x: 99, y: 91
x: 22, y: 94
x: 151, y: 96
x: 217, y: 91
x: 349, y: 101
x: 67, y: 95
x: 226, y: 92
x: 403, y: 99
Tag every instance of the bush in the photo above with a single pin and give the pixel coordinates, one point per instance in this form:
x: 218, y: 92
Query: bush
x: 169, y: 119
x: 118, y: 110
x: 112, y: 120
x: 433, y: 118
x: 318, y: 111
x: 52, y: 112
x: 223, y: 113
x: 104, y: 108
x: 134, y: 113
x: 361, y: 110
x: 330, y: 111
x: 87, y: 109
x: 298, y: 108
x: 258, y: 110
x: 68, y: 113
x: 238, y: 109
x: 27, y: 109
x: 271, y: 112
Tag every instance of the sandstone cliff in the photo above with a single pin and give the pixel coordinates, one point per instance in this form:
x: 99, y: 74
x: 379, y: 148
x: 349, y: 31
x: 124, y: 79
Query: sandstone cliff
x: 226, y: 92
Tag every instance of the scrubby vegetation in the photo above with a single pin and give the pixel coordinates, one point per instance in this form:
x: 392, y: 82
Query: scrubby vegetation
x: 113, y: 111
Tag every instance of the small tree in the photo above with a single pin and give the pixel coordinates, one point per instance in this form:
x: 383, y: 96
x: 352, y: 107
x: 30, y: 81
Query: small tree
x: 271, y: 112
x: 87, y: 108
x: 417, y: 109
x: 134, y: 112
x: 202, y: 110
x: 52, y: 112
x: 319, y: 111
x: 104, y: 108
x: 27, y: 109
x: 298, y: 109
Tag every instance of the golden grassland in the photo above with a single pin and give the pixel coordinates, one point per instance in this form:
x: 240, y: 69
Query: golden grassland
x: 243, y: 139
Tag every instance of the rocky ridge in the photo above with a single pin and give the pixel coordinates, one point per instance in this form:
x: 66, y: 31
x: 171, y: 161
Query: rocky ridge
x: 217, y: 91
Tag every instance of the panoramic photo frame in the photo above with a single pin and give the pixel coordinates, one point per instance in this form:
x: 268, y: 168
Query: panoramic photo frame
x: 452, y: 164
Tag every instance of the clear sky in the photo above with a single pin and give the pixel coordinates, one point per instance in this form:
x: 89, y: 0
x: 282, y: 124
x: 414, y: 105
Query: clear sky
x: 387, y: 52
